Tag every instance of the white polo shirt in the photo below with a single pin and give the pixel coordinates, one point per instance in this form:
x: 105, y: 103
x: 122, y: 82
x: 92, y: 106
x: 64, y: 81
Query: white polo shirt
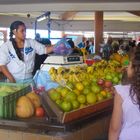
x: 21, y: 70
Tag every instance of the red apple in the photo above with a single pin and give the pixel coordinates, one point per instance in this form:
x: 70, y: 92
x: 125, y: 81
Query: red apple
x: 108, y: 84
x: 100, y: 82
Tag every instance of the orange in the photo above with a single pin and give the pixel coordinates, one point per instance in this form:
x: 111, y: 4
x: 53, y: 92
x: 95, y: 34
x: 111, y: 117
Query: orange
x: 103, y: 93
x: 79, y: 86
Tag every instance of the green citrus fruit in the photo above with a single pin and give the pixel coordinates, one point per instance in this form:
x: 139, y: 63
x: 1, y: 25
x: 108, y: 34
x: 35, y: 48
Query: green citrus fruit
x: 75, y: 104
x: 66, y: 106
x: 81, y: 99
x: 55, y: 96
x: 70, y: 96
x: 86, y: 91
x: 64, y: 92
x: 95, y: 89
x: 91, y: 98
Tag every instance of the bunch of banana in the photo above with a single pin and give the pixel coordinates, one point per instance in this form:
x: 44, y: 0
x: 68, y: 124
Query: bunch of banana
x: 61, y: 70
x: 114, y: 63
x: 52, y: 71
x: 90, y: 69
x: 73, y: 78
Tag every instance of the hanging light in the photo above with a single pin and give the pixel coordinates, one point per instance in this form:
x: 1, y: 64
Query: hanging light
x: 43, y: 16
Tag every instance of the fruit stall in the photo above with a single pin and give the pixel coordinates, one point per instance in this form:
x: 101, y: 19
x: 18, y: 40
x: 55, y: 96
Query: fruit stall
x: 68, y: 100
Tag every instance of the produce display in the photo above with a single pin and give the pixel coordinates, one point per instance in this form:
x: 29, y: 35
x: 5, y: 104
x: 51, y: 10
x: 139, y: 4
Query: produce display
x: 29, y: 105
x: 84, y: 85
x: 79, y: 86
x: 7, y: 89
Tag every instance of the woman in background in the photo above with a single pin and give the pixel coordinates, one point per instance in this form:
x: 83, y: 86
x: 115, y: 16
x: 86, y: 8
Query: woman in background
x: 17, y: 55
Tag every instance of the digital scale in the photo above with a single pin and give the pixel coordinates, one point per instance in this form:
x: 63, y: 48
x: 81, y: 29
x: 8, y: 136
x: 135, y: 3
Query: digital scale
x: 67, y: 59
x: 57, y: 61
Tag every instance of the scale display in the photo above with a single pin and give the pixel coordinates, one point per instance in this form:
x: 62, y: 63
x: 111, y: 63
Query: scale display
x: 73, y: 59
x: 58, y: 59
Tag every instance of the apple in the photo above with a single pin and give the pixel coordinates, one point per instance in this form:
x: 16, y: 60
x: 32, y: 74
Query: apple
x: 108, y: 84
x: 100, y: 82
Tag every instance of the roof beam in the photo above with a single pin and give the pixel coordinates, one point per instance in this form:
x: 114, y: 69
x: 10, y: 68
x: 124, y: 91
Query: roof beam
x: 68, y: 15
x: 136, y: 13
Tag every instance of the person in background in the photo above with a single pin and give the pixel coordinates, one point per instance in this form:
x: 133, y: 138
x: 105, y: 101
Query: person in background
x: 75, y: 49
x: 107, y: 49
x: 87, y: 46
x: 125, y: 121
x: 91, y: 44
x: 37, y: 37
x: 115, y: 46
x: 39, y: 59
x: 138, y: 45
x: 83, y: 43
x: 17, y: 55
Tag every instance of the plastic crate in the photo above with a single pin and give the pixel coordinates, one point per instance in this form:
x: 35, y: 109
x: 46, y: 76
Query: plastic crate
x: 8, y: 101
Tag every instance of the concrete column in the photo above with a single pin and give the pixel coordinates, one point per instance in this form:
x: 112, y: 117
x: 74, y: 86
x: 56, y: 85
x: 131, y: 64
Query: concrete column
x: 98, y: 30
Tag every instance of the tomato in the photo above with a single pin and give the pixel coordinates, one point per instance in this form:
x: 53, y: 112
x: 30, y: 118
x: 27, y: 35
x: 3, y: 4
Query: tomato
x: 39, y: 112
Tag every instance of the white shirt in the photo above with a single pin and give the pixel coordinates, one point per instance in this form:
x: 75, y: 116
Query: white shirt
x: 21, y: 69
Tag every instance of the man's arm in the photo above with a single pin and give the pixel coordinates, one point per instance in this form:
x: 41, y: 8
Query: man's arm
x: 6, y: 72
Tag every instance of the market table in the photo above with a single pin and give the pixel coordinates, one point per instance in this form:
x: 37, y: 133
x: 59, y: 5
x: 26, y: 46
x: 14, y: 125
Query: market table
x: 93, y: 126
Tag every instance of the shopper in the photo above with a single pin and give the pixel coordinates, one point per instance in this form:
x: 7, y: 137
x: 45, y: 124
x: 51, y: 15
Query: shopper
x: 107, y: 49
x: 125, y: 121
x: 17, y: 55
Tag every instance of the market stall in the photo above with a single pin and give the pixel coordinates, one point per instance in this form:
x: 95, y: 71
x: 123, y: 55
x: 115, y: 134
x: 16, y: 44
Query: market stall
x: 77, y: 98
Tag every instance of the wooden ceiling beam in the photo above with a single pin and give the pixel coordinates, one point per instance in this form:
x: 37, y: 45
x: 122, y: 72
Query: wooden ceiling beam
x: 68, y: 15
x: 136, y: 13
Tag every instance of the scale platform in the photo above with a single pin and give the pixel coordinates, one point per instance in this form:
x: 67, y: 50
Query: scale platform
x: 59, y: 59
x: 47, y: 67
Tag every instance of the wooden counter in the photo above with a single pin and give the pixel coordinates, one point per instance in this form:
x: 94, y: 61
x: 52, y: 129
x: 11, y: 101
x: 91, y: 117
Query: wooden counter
x: 92, y: 127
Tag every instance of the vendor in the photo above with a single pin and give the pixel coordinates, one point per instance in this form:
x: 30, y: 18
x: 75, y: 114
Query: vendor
x: 17, y: 55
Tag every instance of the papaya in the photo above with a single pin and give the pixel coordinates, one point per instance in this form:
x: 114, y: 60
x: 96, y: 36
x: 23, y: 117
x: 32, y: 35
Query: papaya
x: 35, y: 99
x: 24, y: 107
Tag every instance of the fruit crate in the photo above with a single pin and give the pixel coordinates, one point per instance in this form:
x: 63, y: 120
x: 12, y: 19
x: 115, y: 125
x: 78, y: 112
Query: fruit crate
x: 66, y: 117
x: 8, y: 99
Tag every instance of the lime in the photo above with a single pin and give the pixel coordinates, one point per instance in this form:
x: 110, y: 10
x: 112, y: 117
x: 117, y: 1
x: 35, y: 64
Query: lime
x: 81, y: 99
x: 70, y: 96
x: 55, y: 96
x: 66, y: 106
x: 95, y: 89
x: 64, y: 92
x: 115, y: 80
x: 108, y: 77
x: 86, y: 90
x: 91, y: 98
x: 75, y: 104
x: 109, y: 95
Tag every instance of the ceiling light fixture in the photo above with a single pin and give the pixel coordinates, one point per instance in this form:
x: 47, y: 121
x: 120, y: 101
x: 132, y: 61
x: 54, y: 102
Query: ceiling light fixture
x: 43, y: 16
